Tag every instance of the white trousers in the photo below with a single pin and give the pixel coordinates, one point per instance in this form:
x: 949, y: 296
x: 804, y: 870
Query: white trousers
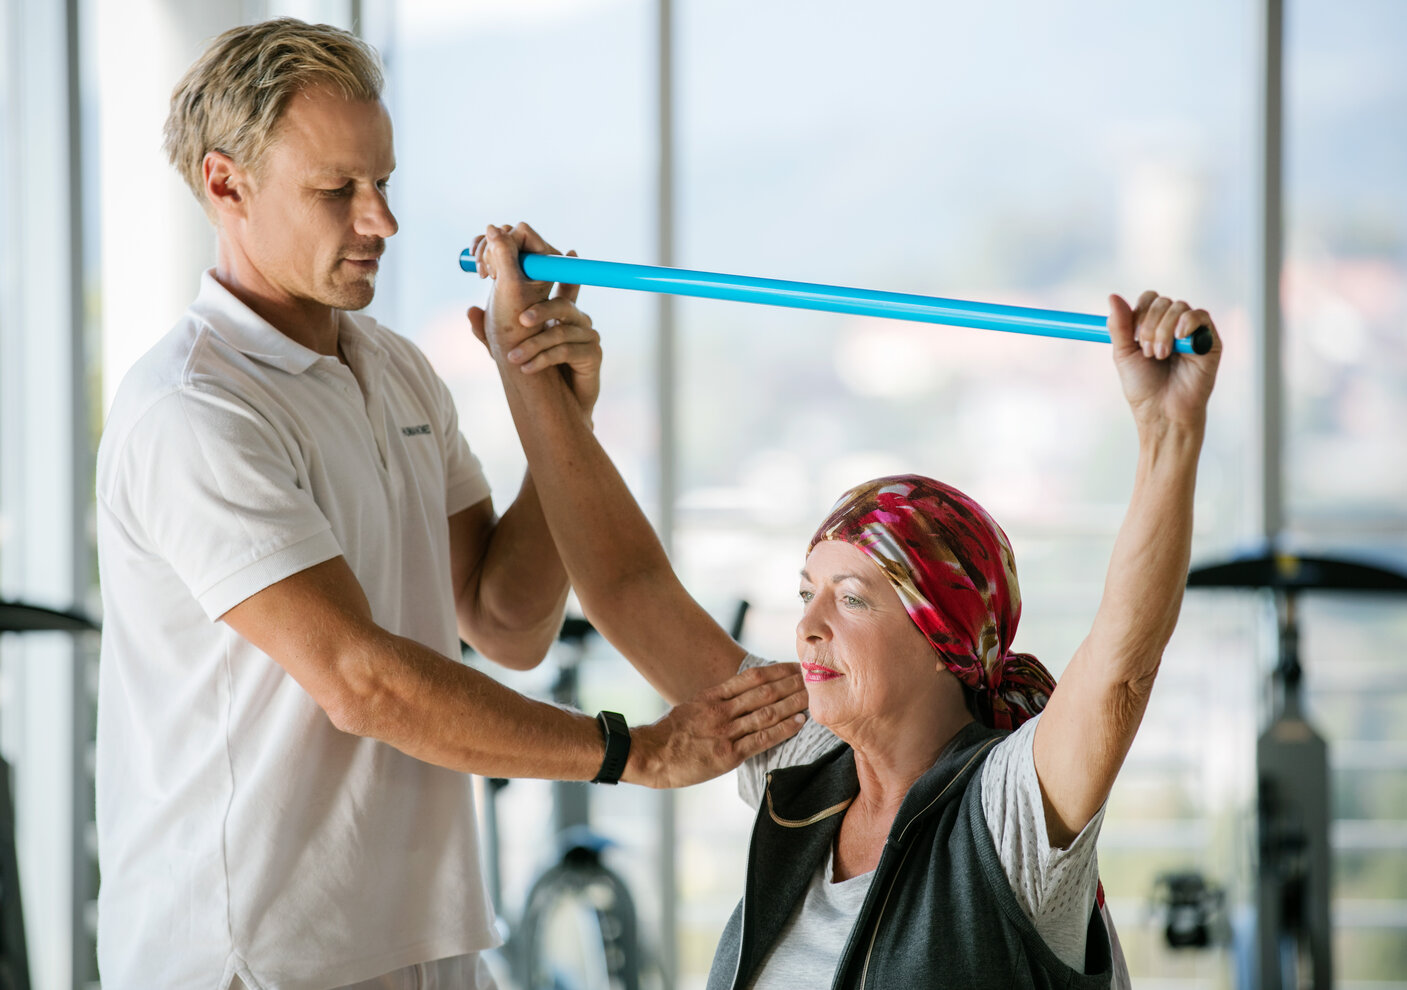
x: 469, y: 972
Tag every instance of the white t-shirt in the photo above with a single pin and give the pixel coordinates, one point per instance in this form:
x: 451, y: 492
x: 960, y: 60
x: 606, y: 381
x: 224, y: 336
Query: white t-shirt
x: 1055, y: 887
x: 239, y: 832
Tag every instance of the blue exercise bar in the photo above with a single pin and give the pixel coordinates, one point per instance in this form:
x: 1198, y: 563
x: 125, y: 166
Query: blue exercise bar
x: 833, y: 298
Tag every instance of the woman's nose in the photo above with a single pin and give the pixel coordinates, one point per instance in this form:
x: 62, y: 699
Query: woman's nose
x: 813, y: 624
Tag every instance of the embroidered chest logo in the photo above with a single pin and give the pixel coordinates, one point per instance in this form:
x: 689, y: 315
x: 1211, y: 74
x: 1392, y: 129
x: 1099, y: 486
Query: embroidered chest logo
x: 423, y: 430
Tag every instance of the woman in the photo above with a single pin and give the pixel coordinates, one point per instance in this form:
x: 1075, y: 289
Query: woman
x: 915, y: 845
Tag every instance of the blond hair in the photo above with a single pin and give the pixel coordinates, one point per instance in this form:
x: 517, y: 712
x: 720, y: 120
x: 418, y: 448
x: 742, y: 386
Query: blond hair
x: 232, y: 98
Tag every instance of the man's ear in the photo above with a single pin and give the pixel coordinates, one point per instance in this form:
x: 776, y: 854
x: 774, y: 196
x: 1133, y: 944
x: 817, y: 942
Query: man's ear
x: 226, y: 184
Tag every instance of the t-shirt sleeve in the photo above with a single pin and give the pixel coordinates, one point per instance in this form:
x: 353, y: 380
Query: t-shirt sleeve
x: 809, y: 744
x: 207, y: 484
x: 1055, y: 887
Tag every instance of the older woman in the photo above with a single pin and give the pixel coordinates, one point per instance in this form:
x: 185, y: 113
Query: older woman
x: 907, y: 836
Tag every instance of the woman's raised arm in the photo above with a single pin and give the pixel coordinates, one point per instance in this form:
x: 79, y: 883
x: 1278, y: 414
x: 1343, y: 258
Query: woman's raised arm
x: 1089, y: 724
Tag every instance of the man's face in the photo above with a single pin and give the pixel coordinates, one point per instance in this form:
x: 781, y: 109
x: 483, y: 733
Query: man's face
x: 316, y: 217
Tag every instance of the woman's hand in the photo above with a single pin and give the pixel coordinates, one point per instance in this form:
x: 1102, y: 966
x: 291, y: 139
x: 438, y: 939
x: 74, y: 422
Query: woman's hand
x: 530, y: 325
x: 1165, y: 389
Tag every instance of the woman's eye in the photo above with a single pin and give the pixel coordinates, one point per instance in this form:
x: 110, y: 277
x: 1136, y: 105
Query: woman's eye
x: 852, y: 602
x: 805, y: 596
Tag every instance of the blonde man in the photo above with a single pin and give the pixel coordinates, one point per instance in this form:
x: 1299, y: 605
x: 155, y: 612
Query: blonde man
x: 293, y: 536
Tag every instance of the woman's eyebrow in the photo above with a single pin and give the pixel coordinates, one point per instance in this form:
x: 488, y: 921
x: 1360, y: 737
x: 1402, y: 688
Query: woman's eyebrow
x: 837, y: 578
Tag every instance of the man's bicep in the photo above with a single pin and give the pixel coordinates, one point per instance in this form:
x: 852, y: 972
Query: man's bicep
x: 470, y: 531
x: 305, y: 623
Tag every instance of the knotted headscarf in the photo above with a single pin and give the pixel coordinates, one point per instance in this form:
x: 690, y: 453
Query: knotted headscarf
x: 953, y: 568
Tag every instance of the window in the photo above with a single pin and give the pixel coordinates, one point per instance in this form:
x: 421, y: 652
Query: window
x: 1345, y: 307
x: 936, y: 149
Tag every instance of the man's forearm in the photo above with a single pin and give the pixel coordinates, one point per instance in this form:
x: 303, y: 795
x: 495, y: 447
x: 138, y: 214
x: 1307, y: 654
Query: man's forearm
x: 434, y: 709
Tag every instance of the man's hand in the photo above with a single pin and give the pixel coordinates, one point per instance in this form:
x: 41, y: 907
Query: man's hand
x: 530, y: 325
x: 1164, y: 389
x: 722, y: 726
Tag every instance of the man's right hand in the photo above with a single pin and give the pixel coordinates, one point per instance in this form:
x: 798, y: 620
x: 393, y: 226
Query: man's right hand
x: 719, y: 728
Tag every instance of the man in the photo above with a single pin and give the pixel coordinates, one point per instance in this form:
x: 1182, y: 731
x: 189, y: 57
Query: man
x: 293, y: 536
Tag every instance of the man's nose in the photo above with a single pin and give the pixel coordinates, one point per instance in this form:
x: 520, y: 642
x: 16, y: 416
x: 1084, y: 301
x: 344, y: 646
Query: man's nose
x: 374, y: 216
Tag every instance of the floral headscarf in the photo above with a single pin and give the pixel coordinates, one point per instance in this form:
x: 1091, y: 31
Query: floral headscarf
x: 953, y: 568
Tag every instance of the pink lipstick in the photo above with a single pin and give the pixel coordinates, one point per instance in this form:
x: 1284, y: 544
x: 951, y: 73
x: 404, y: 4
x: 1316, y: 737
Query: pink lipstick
x: 815, y: 672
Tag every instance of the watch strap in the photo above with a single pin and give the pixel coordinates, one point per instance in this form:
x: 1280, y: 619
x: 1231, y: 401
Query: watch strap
x: 616, y: 734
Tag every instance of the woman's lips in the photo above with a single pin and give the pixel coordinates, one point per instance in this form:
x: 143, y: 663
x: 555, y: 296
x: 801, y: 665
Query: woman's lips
x: 815, y: 672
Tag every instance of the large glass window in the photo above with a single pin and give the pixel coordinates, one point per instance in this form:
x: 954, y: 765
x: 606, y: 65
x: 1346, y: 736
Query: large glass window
x: 1012, y: 152
x: 539, y: 111
x: 1345, y: 299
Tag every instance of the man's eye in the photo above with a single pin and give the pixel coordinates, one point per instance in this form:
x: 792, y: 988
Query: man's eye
x: 339, y: 191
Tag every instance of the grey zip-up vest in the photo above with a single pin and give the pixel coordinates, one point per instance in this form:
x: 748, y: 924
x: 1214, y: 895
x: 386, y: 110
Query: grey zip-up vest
x: 940, y: 911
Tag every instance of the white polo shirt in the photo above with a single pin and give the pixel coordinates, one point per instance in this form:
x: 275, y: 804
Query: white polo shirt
x: 239, y: 832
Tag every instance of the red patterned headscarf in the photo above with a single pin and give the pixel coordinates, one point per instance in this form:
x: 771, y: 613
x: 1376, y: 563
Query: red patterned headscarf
x: 953, y: 568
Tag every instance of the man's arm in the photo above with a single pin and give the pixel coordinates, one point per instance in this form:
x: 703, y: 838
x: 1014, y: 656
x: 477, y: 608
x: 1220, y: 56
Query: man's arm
x: 317, y: 625
x: 620, y: 572
x: 1087, y: 728
x: 510, y: 588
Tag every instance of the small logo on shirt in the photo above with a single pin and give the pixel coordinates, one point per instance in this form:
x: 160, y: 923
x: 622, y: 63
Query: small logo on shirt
x: 423, y: 430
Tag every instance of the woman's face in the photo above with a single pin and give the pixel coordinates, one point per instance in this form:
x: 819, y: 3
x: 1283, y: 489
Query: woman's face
x: 864, y: 661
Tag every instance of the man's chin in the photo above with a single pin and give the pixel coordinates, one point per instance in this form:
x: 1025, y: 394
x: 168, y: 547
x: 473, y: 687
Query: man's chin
x: 353, y: 296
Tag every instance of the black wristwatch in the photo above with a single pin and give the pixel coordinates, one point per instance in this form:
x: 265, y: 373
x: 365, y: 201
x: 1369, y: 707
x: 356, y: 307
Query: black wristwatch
x: 617, y: 736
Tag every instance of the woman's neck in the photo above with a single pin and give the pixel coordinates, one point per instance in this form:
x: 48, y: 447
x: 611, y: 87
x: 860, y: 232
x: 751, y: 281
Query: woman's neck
x: 888, y: 771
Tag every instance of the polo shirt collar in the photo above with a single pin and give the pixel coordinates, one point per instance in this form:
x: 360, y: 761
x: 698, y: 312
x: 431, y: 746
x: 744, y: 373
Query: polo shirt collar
x: 361, y: 347
x: 248, y: 332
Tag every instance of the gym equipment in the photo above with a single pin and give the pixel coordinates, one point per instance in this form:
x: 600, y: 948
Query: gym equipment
x: 578, y: 929
x: 832, y: 298
x: 20, y: 617
x: 1294, y: 946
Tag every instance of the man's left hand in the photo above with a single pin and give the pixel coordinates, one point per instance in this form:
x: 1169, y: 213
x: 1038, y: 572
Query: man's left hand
x: 723, y: 725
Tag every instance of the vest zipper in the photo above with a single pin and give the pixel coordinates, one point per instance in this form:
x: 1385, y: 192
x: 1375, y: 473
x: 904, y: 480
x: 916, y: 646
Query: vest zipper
x: 874, y: 935
x: 894, y: 877
x: 787, y: 823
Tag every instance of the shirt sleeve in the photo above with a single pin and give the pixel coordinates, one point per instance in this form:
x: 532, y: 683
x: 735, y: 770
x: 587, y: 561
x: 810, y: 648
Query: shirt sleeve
x: 207, y: 484
x: 809, y: 744
x: 1055, y: 887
